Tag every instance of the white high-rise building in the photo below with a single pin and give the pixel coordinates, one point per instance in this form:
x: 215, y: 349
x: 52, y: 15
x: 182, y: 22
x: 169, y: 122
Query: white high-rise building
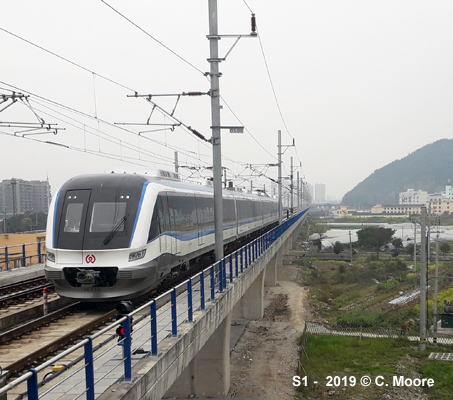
x: 320, y: 193
x: 412, y: 196
x: 18, y: 196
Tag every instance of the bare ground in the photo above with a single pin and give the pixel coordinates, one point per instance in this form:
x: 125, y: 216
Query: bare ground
x: 266, y: 358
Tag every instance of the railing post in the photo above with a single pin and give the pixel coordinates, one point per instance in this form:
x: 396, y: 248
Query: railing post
x: 153, y: 329
x: 174, y: 327
x: 24, y: 261
x: 89, y: 369
x: 39, y: 253
x: 6, y: 258
x: 220, y: 276
x: 127, y: 350
x: 189, y: 300
x: 231, y: 268
x: 212, y: 284
x: 224, y: 274
x: 202, y: 305
x: 245, y: 257
x: 32, y: 385
x: 236, y: 266
x: 242, y: 260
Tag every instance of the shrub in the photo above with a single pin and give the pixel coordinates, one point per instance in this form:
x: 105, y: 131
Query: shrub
x: 363, y: 319
x: 387, y: 285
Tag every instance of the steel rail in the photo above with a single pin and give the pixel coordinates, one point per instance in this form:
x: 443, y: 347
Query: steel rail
x: 71, y: 337
x: 37, y: 323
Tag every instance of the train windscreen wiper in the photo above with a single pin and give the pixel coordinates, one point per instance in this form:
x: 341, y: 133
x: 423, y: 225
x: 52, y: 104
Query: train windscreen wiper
x: 114, y: 231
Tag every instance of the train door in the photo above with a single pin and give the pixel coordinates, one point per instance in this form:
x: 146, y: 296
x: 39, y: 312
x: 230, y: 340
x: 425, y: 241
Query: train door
x: 71, y: 227
x: 162, y: 210
x: 171, y: 201
x: 236, y: 213
x: 200, y: 219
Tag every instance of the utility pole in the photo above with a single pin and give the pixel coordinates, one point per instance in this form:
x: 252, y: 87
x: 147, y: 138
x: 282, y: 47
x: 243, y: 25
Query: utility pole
x: 429, y: 234
x: 436, y: 278
x: 176, y: 162
x: 350, y: 245
x: 415, y: 247
x: 280, y: 194
x: 279, y: 153
x: 292, y: 186
x: 298, y: 192
x: 215, y: 119
x: 423, y: 281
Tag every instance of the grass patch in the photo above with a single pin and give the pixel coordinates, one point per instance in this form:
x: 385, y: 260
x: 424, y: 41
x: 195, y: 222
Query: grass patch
x: 357, y: 319
x: 348, y: 357
x: 442, y: 373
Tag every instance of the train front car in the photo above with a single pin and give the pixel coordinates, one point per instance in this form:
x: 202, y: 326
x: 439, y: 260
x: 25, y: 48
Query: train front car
x: 93, y: 251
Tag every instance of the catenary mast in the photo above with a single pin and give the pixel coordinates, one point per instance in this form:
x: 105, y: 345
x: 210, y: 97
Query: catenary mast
x: 215, y: 120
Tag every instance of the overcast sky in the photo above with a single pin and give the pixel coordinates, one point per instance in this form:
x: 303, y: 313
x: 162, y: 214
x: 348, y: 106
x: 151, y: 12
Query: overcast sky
x: 358, y: 84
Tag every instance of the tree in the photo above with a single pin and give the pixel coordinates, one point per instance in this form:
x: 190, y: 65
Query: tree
x: 444, y: 248
x: 398, y: 243
x: 337, y: 247
x: 374, y: 237
x: 410, y: 248
x: 26, y: 222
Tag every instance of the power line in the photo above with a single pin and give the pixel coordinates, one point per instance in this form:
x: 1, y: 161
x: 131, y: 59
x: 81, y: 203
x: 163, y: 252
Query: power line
x: 152, y: 37
x: 81, y: 113
x: 126, y: 87
x: 187, y: 62
x: 64, y: 58
x: 253, y: 137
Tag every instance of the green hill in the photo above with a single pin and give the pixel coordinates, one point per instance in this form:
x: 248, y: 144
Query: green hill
x: 428, y: 168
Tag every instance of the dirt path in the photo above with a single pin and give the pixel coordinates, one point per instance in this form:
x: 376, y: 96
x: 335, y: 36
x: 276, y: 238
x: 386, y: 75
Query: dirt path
x: 266, y: 358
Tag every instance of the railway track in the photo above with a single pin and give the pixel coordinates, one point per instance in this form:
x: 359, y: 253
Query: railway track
x: 27, y: 344
x: 20, y: 292
x: 78, y: 320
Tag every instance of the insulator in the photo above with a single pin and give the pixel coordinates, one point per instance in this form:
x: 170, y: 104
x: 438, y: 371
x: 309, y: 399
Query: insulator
x: 197, y: 134
x: 253, y: 23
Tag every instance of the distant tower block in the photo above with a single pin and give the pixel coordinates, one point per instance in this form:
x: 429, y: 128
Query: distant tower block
x: 14, y: 191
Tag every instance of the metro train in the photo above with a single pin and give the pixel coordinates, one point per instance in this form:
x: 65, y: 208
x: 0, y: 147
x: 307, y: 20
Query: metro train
x: 115, y: 236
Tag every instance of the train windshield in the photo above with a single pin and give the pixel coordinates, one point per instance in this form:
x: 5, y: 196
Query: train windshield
x: 98, y: 218
x: 108, y: 216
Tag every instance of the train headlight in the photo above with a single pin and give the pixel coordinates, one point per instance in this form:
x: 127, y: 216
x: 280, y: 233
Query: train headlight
x: 51, y: 256
x: 137, y: 255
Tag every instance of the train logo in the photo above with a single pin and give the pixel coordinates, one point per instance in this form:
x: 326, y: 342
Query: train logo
x: 90, y: 258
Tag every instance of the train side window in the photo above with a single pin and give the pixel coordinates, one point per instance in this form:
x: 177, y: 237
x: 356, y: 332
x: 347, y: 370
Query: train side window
x: 184, y: 212
x: 164, y: 213
x: 208, y: 211
x: 229, y: 214
x: 154, y: 229
x: 73, y: 217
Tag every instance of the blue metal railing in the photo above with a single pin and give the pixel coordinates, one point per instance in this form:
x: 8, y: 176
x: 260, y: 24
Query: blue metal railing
x: 21, y: 255
x: 212, y: 280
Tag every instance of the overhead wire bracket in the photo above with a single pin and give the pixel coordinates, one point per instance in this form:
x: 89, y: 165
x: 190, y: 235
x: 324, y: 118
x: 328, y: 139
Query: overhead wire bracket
x: 148, y: 98
x: 30, y: 128
x: 252, y: 34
